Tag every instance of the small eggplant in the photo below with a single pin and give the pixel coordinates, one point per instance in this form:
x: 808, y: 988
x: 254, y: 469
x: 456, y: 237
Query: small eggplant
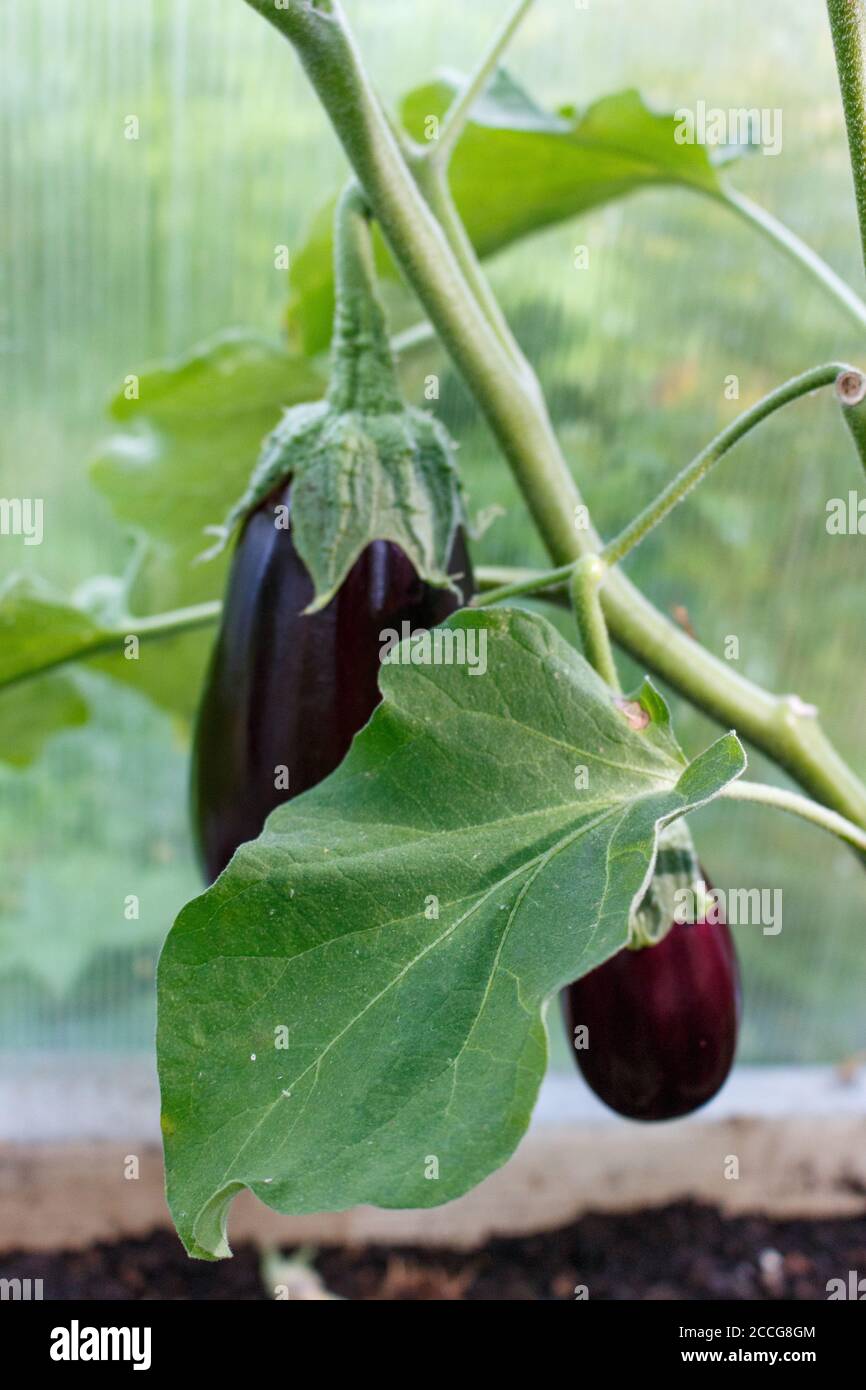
x: 661, y: 1022
x: 287, y: 690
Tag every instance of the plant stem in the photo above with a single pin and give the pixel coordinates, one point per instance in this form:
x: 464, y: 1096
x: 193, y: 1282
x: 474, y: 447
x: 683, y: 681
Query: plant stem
x: 432, y: 180
x: 788, y: 241
x: 797, y: 805
x: 502, y: 381
x: 848, y: 27
x: 458, y: 113
x: 105, y: 642
x: 588, y: 575
x: 530, y: 582
x: 506, y: 581
x: 757, y: 217
x: 418, y: 335
x: 513, y: 405
x: 429, y: 166
x: 693, y: 472
x: 689, y: 477
x: 363, y: 376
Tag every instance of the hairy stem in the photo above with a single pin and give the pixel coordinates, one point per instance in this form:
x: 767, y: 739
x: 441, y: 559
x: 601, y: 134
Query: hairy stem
x: 516, y: 583
x: 848, y: 27
x: 851, y: 391
x: 106, y: 643
x: 363, y: 375
x: 458, y: 114
x: 796, y: 805
x: 505, y: 581
x: 588, y: 575
x: 788, y: 241
x: 432, y: 180
x: 701, y: 465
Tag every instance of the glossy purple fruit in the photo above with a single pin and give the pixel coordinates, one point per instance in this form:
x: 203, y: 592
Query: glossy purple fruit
x: 290, y: 690
x: 662, y: 1022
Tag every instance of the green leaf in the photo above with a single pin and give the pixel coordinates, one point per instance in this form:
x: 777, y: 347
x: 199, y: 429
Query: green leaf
x: 183, y: 452
x: 406, y: 923
x: 30, y: 715
x: 41, y: 629
x: 563, y: 163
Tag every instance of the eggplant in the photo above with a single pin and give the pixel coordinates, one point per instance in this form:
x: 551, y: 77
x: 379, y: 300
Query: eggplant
x: 290, y: 690
x: 662, y: 1022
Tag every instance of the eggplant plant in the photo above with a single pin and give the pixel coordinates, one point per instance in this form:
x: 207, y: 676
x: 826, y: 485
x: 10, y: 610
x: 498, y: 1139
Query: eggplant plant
x: 424, y: 814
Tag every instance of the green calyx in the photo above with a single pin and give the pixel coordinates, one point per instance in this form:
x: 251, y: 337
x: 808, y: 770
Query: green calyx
x: 363, y: 464
x: 676, y: 872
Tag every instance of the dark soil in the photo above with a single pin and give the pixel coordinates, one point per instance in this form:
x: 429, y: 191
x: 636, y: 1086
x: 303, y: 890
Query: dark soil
x: 677, y: 1252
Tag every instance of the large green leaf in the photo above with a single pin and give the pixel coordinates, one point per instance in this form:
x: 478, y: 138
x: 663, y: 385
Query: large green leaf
x: 406, y: 923
x: 515, y: 170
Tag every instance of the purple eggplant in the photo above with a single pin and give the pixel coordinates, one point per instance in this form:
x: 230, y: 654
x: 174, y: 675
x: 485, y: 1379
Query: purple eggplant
x: 288, y: 690
x: 661, y: 1022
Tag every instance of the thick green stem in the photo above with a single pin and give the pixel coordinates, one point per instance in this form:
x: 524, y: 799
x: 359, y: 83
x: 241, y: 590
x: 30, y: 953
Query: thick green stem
x: 362, y: 365
x: 432, y: 180
x: 588, y: 576
x: 781, y: 726
x: 501, y: 381
x: 693, y: 472
x: 848, y: 27
x: 512, y: 402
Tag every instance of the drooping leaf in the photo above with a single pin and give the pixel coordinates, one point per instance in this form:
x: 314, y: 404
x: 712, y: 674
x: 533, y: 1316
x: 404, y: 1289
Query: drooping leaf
x: 363, y: 990
x: 563, y: 163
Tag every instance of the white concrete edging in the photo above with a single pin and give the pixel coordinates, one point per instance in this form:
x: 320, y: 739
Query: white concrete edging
x: 778, y: 1140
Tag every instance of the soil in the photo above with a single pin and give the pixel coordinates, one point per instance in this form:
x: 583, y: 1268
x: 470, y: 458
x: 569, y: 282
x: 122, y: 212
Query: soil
x: 683, y: 1251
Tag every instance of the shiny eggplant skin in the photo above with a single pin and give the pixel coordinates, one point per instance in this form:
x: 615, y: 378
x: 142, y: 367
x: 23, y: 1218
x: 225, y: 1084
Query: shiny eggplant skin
x: 290, y: 690
x: 662, y: 1022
